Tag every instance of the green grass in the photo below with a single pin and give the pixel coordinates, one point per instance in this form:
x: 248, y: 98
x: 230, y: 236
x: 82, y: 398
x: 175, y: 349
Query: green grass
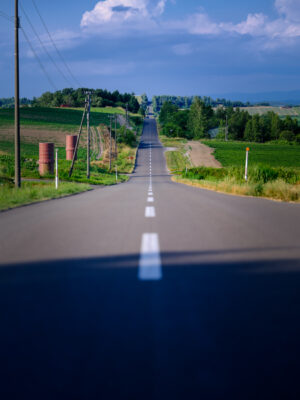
x: 273, y: 154
x: 32, y: 192
x: 51, y: 118
x: 29, y: 166
x: 176, y: 161
x: 275, y: 182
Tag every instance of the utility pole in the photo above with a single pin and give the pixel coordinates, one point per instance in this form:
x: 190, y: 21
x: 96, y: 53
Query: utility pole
x: 110, y: 128
x: 116, y: 144
x: 126, y: 115
x: 77, y: 141
x: 17, y: 95
x: 88, y: 100
x: 226, y: 129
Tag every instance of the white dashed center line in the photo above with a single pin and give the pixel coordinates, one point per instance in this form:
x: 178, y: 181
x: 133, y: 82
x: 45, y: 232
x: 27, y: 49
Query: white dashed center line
x: 150, y: 212
x: 150, y: 200
x: 150, y: 260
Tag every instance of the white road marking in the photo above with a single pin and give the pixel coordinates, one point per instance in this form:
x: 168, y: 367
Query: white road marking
x: 150, y: 261
x: 150, y: 212
x: 150, y: 200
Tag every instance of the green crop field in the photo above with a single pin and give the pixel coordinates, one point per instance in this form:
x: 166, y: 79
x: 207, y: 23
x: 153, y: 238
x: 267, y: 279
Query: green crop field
x: 52, y: 118
x: 274, y: 155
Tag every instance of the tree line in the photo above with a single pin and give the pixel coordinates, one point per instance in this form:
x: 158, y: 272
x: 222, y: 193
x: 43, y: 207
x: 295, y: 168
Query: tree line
x: 10, y: 102
x: 201, y: 120
x: 76, y: 98
x: 186, y: 102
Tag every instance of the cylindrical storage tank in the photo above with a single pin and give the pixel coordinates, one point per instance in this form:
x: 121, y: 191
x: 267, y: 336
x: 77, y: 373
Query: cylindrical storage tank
x: 46, y: 158
x: 71, y: 141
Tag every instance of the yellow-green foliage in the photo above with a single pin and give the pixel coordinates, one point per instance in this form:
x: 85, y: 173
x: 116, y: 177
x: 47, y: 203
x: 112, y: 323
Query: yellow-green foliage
x: 32, y: 192
x: 176, y: 161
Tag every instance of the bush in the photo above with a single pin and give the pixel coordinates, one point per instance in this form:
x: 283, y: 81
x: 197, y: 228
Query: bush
x: 287, y: 135
x: 127, y: 137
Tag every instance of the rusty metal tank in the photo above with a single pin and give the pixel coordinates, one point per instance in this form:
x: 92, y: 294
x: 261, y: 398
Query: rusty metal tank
x: 71, y: 141
x: 46, y: 158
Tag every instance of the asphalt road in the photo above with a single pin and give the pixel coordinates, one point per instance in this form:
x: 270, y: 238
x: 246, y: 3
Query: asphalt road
x: 150, y: 290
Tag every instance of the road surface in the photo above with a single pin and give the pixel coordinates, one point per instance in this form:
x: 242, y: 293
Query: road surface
x: 150, y: 290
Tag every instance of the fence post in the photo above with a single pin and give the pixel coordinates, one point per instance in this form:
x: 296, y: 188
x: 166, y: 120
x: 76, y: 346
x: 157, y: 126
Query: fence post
x: 56, y: 168
x: 246, y: 166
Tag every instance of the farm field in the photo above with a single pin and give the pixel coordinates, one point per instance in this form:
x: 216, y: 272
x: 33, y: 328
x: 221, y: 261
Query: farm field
x: 274, y: 155
x: 50, y: 118
x: 53, y: 124
x: 281, y: 111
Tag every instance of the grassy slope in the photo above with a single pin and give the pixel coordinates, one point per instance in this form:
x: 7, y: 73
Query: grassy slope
x: 177, y: 159
x: 274, y: 155
x: 32, y: 192
x: 51, y: 118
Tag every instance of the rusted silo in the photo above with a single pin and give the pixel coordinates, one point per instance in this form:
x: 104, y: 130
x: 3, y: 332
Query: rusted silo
x: 46, y: 158
x: 70, y: 146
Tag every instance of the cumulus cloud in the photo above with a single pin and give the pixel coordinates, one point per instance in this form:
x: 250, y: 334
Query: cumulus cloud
x: 289, y: 8
x: 286, y: 26
x: 201, y: 24
x: 117, y: 15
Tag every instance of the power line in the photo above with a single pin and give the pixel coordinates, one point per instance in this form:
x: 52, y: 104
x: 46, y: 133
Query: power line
x: 2, y: 14
x: 38, y: 60
x: 43, y: 46
x: 54, y: 45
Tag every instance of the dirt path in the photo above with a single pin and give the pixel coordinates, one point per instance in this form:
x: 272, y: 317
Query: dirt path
x: 202, y: 156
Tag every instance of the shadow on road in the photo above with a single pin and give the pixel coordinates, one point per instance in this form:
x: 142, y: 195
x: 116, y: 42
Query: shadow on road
x: 88, y: 329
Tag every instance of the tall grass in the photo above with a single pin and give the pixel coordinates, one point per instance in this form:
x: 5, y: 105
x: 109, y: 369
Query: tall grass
x: 32, y: 192
x: 277, y: 183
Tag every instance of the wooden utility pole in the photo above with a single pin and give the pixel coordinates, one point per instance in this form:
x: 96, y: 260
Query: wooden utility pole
x: 110, y: 127
x: 226, y: 129
x: 17, y: 96
x: 88, y: 135
x: 116, y: 145
x: 77, y: 141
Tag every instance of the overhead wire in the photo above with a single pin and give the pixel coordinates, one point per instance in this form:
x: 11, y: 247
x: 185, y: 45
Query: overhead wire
x: 4, y: 15
x: 44, y: 47
x: 12, y: 19
x: 38, y: 59
x: 54, y: 45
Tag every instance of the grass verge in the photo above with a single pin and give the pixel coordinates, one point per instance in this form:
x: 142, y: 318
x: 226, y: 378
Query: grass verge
x: 176, y: 161
x: 32, y: 192
x: 273, y: 183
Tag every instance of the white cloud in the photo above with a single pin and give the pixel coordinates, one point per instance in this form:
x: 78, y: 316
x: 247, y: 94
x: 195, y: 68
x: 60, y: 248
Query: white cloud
x: 201, y: 24
x: 117, y: 15
x: 285, y: 27
x: 289, y: 8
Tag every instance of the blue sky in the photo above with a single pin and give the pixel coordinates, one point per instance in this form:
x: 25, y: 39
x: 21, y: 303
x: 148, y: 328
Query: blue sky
x: 181, y: 47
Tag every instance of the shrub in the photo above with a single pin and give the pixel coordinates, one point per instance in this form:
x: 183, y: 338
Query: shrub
x: 287, y: 135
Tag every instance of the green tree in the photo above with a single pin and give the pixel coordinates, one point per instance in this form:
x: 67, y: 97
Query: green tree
x: 198, y: 120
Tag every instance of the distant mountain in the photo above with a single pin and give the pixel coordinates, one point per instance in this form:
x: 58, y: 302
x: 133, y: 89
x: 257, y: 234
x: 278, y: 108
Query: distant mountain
x: 274, y: 98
